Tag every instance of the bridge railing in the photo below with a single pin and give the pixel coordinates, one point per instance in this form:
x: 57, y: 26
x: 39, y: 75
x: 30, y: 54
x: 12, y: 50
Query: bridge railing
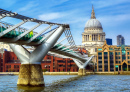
x: 17, y: 31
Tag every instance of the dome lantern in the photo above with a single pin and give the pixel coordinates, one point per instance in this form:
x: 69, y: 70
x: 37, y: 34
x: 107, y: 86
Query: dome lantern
x: 93, y: 13
x: 93, y: 23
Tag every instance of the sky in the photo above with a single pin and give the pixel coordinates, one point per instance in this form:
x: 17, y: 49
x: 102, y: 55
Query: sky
x: 114, y: 15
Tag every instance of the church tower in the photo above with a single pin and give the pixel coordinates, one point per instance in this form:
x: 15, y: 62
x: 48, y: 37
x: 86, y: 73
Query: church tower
x: 93, y: 35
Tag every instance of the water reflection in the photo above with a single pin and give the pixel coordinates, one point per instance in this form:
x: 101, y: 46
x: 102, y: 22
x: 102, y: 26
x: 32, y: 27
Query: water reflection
x: 70, y: 83
x: 29, y: 89
x: 53, y: 84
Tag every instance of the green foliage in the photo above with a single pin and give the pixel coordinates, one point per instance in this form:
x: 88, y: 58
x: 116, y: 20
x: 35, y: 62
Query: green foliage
x: 44, y: 70
x: 10, y: 70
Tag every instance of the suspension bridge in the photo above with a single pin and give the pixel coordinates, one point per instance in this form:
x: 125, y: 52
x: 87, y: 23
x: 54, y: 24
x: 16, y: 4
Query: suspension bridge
x: 45, y: 41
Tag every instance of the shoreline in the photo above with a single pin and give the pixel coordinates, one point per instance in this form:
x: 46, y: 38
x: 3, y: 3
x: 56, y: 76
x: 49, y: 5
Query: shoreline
x: 72, y: 73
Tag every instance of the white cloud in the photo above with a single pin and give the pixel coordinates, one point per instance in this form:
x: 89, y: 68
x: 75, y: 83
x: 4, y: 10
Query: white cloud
x: 28, y: 6
x: 51, y: 16
x: 57, y: 15
x: 103, y: 3
x: 114, y: 20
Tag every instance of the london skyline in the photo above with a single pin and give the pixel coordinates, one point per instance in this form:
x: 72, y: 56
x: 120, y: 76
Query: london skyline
x: 114, y: 16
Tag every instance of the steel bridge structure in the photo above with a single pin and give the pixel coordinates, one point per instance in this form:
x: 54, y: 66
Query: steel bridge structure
x: 45, y: 41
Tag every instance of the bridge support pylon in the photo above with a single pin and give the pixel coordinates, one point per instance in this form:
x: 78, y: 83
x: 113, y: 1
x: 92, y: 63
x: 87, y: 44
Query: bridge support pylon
x: 30, y: 75
x: 30, y: 71
x: 82, y: 71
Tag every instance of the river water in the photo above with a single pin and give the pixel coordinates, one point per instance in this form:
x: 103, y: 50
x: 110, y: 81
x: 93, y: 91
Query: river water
x: 70, y: 83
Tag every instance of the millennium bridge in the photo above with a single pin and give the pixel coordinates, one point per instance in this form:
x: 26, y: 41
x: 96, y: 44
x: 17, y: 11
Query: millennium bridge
x: 45, y: 41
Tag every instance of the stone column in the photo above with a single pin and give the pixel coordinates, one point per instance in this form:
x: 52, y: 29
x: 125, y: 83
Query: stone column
x: 97, y: 62
x: 127, y: 67
x: 121, y: 68
x: 92, y: 37
x: 82, y: 71
x: 99, y: 37
x: 114, y: 60
x: 108, y: 61
x: 83, y: 38
x: 102, y: 61
x: 30, y: 75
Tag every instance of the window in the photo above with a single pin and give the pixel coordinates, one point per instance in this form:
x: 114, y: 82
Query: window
x: 119, y: 57
x: 105, y: 57
x: 95, y: 49
x: 105, y: 61
x: 105, y: 67
x: 100, y: 49
x: 99, y: 53
x: 105, y: 53
x: 99, y: 62
x: 100, y: 66
x: 123, y: 58
x: 111, y: 53
x: 118, y: 53
x: 99, y: 57
x: 111, y: 49
x: 127, y: 53
x: 116, y: 61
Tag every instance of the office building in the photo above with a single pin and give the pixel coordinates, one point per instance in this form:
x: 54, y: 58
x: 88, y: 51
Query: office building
x: 109, y: 41
x: 120, y: 40
x: 111, y: 58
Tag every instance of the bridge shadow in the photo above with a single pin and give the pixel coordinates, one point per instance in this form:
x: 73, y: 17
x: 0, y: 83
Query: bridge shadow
x: 29, y: 89
x: 61, y: 85
x: 52, y: 87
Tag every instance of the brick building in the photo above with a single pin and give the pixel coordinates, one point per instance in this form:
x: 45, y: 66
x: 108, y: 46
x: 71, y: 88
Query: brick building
x: 10, y: 63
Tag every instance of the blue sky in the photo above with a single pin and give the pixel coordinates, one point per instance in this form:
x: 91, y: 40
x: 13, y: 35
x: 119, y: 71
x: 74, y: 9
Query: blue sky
x: 114, y: 15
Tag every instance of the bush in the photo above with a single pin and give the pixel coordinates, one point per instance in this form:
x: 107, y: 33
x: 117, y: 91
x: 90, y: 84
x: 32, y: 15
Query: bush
x: 44, y: 70
x: 10, y: 70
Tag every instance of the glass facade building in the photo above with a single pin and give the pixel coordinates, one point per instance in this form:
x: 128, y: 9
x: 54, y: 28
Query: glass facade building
x: 120, y: 40
x: 109, y: 41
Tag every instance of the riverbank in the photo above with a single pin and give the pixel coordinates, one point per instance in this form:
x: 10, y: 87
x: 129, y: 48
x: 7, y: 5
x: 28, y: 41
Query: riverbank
x: 73, y: 73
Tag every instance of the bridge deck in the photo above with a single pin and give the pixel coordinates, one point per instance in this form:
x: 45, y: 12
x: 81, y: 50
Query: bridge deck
x: 14, y: 34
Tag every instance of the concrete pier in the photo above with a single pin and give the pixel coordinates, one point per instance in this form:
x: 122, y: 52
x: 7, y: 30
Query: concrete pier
x: 30, y: 75
x: 81, y: 71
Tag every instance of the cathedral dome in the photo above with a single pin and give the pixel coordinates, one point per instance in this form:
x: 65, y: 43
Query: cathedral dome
x: 93, y: 23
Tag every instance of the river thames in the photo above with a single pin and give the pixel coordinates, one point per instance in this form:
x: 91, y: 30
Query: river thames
x: 70, y: 83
